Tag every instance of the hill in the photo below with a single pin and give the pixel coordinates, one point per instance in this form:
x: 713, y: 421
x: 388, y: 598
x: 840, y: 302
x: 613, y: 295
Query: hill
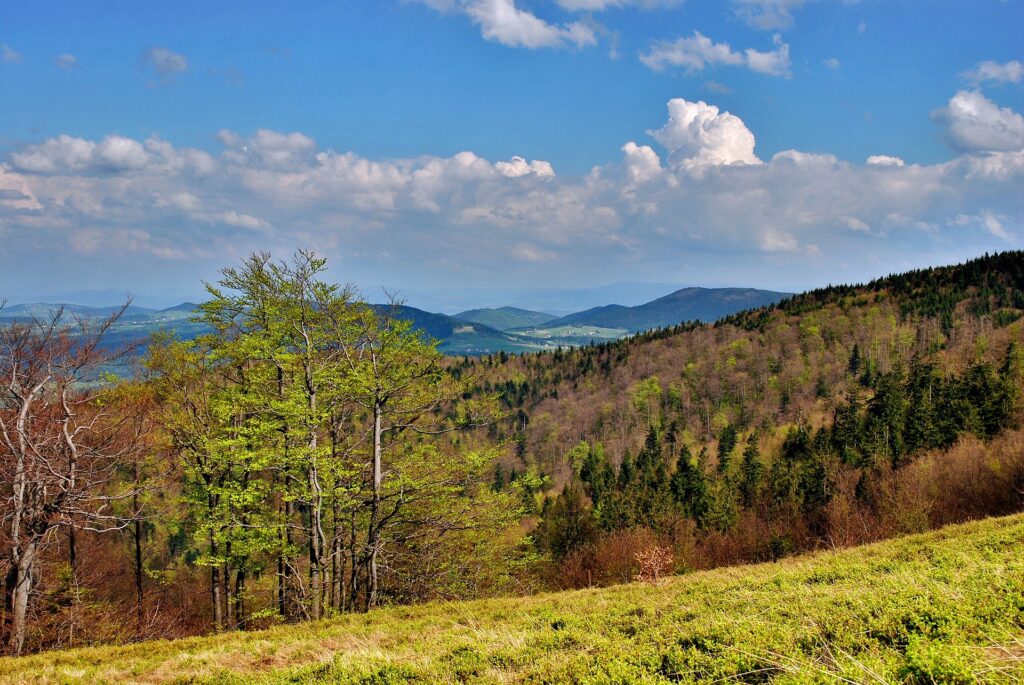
x: 473, y: 332
x: 688, y: 304
x: 505, y: 318
x: 843, y: 617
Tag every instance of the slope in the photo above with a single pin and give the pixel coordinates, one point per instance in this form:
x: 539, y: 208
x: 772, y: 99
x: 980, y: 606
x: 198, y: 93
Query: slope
x: 939, y: 607
x: 688, y: 304
x: 505, y: 318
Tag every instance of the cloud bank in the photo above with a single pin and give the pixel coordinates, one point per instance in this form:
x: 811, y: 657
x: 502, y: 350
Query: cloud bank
x: 699, y: 188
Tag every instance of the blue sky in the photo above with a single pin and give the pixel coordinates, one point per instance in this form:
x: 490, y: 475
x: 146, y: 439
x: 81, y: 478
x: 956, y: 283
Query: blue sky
x: 145, y: 145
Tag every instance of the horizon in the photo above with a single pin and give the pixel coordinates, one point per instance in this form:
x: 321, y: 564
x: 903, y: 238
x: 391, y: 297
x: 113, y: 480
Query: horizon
x: 433, y: 301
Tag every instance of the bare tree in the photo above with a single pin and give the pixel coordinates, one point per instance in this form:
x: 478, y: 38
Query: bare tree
x: 60, y: 443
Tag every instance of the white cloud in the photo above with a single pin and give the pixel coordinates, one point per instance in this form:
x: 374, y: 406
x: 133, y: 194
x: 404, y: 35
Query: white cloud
x: 973, y: 122
x: 238, y: 219
x: 996, y: 72
x: 767, y: 15
x: 531, y: 253
x: 642, y: 163
x: 9, y: 54
x: 773, y: 62
x: 993, y: 225
x: 885, y: 160
x: 855, y: 224
x: 63, y: 153
x: 67, y: 154
x: 694, y: 53
x: 707, y: 193
x: 272, y: 149
x: 832, y: 63
x: 164, y: 62
x: 118, y: 152
x: 503, y: 22
x: 66, y: 61
x: 697, y: 134
x: 984, y: 219
x: 517, y: 166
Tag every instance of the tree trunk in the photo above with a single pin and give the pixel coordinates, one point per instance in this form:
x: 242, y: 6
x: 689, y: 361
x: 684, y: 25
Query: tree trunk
x: 373, y: 538
x: 215, y: 589
x: 19, y: 589
x: 139, y: 610
x: 316, y: 512
x: 240, y: 599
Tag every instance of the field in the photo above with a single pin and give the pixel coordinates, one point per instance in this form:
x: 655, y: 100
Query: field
x: 946, y: 606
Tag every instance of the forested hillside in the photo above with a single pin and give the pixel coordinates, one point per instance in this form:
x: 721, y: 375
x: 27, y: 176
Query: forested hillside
x: 842, y: 415
x: 311, y: 455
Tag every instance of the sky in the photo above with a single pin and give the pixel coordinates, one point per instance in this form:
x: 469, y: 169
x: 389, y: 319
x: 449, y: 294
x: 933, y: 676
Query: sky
x: 450, y: 148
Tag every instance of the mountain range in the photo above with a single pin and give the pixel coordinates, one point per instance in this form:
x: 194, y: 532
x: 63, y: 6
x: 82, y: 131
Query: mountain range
x: 474, y: 331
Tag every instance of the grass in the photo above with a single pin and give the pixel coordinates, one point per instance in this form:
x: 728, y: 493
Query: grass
x: 942, y: 607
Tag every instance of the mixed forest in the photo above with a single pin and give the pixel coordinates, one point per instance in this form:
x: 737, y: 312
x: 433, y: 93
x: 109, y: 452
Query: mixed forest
x: 311, y: 455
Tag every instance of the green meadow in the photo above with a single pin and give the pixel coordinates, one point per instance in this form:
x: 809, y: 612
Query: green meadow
x: 941, y: 607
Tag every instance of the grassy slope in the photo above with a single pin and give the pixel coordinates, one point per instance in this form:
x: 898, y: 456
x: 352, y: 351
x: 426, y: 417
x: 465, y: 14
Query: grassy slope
x: 946, y: 606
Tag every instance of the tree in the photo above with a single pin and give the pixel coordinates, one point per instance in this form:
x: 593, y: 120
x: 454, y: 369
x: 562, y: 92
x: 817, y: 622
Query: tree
x: 689, y: 487
x: 568, y: 523
x: 61, y: 444
x: 751, y: 470
x: 726, y: 445
x: 398, y: 378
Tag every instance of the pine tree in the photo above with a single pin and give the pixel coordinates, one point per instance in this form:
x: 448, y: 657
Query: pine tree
x: 689, y: 487
x: 751, y: 470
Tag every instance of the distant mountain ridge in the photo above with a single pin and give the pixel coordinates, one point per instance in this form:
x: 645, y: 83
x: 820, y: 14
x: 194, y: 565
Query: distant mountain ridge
x: 505, y: 318
x: 472, y: 332
x: 687, y: 304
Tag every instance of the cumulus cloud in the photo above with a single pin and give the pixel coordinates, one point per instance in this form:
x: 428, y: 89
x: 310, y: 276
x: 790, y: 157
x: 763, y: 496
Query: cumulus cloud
x: 973, y: 122
x: 65, y: 61
x: 165, y: 63
x: 699, y: 189
x: 501, y: 21
x: 767, y: 15
x: 697, y: 134
x: 67, y: 154
x: 9, y: 54
x: 884, y: 160
x: 694, y: 53
x: 517, y: 166
x: 996, y: 72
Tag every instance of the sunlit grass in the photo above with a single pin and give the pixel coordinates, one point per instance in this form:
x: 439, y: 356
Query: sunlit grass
x: 946, y: 606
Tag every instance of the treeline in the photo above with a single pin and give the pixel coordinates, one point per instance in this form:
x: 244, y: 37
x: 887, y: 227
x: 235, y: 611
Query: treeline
x: 705, y: 504
x: 308, y: 455
x: 991, y: 283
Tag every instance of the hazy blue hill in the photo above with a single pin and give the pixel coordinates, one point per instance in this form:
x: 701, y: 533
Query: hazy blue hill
x: 476, y: 331
x: 42, y: 309
x: 688, y: 304
x: 187, y: 307
x: 505, y: 318
x: 458, y: 336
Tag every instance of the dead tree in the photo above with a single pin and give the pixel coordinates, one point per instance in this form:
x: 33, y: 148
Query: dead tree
x: 60, y: 446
